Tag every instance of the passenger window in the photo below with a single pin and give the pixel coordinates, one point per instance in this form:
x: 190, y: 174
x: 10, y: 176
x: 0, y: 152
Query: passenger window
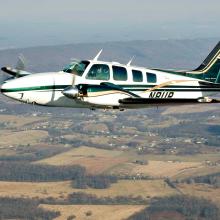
x: 151, y: 77
x: 99, y: 72
x: 137, y: 76
x: 119, y: 73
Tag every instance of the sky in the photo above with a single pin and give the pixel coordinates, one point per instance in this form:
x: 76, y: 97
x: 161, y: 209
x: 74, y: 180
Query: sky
x: 26, y: 23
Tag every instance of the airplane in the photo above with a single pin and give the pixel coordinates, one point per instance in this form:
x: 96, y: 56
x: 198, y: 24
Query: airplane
x: 96, y: 84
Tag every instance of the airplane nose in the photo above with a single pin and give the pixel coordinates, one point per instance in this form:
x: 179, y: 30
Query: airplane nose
x: 7, y: 90
x: 4, y: 89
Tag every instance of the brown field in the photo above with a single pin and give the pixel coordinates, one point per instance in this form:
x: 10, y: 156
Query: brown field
x: 98, y: 165
x: 118, y: 162
x: 5, y: 151
x: 81, y: 152
x: 145, y: 188
x: 22, y: 137
x: 31, y: 190
x: 166, y: 123
x: 99, y: 212
x: 95, y: 160
x: 94, y: 139
x: 158, y: 169
x: 19, y: 121
x: 205, y: 170
x: 167, y: 215
x: 201, y: 190
x: 186, y: 158
x: 189, y: 109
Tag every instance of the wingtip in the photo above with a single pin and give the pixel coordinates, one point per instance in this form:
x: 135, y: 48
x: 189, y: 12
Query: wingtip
x: 5, y: 69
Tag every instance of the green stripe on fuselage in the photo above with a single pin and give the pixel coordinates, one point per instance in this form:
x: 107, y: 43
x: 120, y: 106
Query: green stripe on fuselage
x: 34, y: 88
x: 98, y: 88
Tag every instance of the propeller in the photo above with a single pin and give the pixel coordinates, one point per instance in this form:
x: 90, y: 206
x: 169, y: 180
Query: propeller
x: 72, y: 91
x: 21, y: 63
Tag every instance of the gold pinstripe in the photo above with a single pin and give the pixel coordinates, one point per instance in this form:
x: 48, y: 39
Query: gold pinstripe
x: 208, y: 66
x: 167, y: 84
x: 110, y: 92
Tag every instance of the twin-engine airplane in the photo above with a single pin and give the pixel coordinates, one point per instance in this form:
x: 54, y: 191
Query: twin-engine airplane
x: 111, y: 85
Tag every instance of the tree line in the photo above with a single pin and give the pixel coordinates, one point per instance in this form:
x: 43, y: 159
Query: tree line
x: 27, y: 172
x: 211, y: 179
x: 23, y: 171
x: 84, y: 181
x: 186, y: 207
x: 20, y: 208
x: 84, y: 198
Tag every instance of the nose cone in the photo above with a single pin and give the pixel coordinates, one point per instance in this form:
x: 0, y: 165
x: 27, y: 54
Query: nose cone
x: 3, y: 88
x: 8, y: 90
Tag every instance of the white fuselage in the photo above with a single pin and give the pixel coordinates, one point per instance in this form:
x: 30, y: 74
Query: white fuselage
x: 46, y: 88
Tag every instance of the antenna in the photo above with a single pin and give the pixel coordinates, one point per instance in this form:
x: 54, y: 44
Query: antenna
x: 97, y: 56
x: 130, y: 61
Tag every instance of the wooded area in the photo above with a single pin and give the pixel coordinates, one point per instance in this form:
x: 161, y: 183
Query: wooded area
x: 190, y: 208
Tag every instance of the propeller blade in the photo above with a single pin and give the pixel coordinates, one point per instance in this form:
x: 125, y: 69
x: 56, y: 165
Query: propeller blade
x: 21, y: 63
x: 73, y: 80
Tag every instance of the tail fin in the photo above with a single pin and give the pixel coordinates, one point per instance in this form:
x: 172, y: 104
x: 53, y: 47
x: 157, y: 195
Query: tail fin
x: 209, y: 70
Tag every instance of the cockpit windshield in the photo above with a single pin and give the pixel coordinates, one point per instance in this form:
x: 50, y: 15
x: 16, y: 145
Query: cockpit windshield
x: 77, y: 67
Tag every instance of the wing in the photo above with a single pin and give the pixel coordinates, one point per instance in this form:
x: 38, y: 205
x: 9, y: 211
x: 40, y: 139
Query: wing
x: 15, y: 72
x: 19, y: 70
x: 118, y: 88
x: 166, y: 102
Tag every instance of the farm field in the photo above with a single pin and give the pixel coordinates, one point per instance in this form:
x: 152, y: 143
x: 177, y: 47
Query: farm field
x: 98, y: 212
x: 121, y: 162
x: 22, y: 137
x: 93, y: 159
x: 184, y: 158
x: 145, y: 188
x: 189, y: 109
x: 201, y: 190
x: 156, y: 169
x: 14, y: 121
x: 205, y: 170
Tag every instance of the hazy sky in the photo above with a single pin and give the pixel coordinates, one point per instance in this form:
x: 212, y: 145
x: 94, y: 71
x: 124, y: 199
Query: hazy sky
x: 42, y: 22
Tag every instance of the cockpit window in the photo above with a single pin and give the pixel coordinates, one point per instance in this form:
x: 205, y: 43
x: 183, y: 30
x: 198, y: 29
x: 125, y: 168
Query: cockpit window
x: 99, y: 72
x: 77, y: 67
